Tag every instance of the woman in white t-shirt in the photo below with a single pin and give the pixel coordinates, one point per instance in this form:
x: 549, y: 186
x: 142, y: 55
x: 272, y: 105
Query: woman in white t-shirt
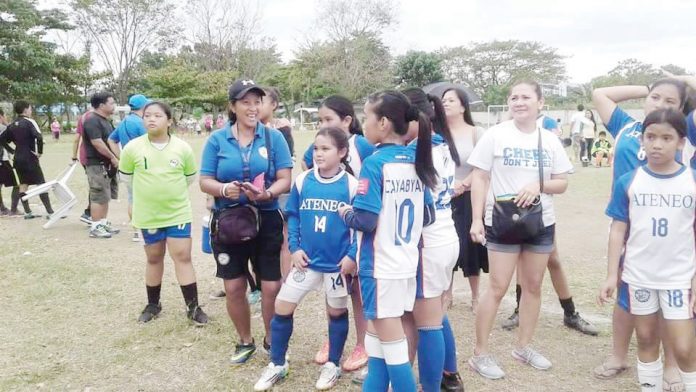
x: 505, y: 163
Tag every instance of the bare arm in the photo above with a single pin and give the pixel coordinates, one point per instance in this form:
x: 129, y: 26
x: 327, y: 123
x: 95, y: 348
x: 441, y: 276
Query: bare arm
x: 103, y: 149
x: 114, y: 147
x: 606, y: 99
x: 76, y: 146
x: 617, y: 235
x: 480, y: 181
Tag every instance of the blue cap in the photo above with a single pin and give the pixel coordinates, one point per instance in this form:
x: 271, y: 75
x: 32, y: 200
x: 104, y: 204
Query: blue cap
x: 138, y: 101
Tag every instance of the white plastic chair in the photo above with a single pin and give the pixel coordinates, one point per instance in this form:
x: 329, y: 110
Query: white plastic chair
x: 60, y: 189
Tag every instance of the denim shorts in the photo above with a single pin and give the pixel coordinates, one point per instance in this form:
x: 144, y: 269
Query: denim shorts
x: 541, y: 243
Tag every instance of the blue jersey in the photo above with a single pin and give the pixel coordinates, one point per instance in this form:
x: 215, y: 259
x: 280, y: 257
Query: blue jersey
x: 390, y: 188
x: 659, y: 211
x: 547, y: 123
x: 130, y: 128
x: 314, y: 224
x: 358, y: 149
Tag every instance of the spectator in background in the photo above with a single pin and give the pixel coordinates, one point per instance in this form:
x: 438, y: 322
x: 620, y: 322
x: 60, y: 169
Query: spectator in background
x: 7, y: 177
x: 576, y: 123
x: 270, y: 105
x: 208, y: 124
x: 589, y: 130
x: 220, y: 122
x: 601, y: 149
x: 55, y: 129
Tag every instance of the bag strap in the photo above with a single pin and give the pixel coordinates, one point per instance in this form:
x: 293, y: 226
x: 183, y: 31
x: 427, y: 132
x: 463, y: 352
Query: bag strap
x: 271, y: 155
x: 540, y: 163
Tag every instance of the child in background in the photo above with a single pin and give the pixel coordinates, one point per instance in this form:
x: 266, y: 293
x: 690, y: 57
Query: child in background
x: 601, y: 149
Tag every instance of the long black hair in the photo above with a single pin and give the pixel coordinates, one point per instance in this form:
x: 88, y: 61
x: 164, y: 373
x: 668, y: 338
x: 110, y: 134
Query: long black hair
x: 464, y: 100
x: 340, y: 140
x: 343, y: 107
x: 431, y: 106
x: 396, y: 107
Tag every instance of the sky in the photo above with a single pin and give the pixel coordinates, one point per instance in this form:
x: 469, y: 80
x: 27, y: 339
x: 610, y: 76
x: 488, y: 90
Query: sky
x: 594, y: 34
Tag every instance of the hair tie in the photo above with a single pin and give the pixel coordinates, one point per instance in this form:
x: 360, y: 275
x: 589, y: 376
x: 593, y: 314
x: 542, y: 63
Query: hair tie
x: 412, y: 113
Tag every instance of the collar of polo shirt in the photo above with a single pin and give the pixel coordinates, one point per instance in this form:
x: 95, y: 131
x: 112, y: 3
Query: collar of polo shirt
x: 257, y: 132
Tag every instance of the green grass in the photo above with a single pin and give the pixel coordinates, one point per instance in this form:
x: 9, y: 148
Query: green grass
x: 69, y: 308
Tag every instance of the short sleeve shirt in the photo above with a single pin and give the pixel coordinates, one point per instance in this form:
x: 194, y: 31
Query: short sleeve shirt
x: 160, y: 187
x: 131, y: 127
x: 95, y: 127
x: 223, y: 158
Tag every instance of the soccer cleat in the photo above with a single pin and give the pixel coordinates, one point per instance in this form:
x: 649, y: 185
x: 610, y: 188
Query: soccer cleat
x: 109, y: 228
x: 31, y: 215
x: 486, y: 366
x: 99, y: 232
x: 265, y: 347
x: 242, y: 353
x: 270, y: 376
x: 579, y: 324
x: 253, y: 297
x: 197, y: 315
x: 359, y: 378
x: 451, y: 382
x: 356, y: 360
x: 150, y: 312
x: 86, y: 218
x: 511, y: 322
x: 531, y: 357
x: 322, y: 355
x: 330, y: 373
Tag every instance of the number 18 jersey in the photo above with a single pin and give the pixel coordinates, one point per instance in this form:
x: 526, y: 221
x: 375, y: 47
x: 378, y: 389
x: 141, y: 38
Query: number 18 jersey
x: 659, y: 211
x: 390, y: 187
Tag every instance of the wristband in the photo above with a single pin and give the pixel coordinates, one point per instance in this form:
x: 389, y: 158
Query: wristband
x: 223, y: 190
x: 271, y: 196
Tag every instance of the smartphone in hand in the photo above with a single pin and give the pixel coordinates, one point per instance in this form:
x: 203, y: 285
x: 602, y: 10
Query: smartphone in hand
x: 251, y: 188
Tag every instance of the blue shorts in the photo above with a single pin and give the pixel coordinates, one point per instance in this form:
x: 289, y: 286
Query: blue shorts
x: 152, y: 236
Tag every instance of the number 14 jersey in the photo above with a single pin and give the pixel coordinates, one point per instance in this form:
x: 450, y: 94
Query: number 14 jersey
x: 659, y: 211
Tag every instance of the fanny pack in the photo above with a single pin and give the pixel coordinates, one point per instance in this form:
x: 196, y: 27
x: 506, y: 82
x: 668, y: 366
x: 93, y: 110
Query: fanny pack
x: 512, y: 224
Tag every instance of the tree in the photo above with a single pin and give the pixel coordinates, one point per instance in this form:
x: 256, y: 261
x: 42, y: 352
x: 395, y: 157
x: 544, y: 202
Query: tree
x: 346, y: 19
x: 418, y: 69
x: 122, y: 30
x: 490, y: 67
x: 628, y: 72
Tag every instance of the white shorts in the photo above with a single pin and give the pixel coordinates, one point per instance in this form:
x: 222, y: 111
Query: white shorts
x: 673, y: 303
x: 387, y: 298
x: 435, y: 270
x: 298, y: 283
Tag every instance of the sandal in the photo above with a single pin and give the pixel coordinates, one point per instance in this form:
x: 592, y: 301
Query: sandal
x: 604, y: 372
x: 674, y: 386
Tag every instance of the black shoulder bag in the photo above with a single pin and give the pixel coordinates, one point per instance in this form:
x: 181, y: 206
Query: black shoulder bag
x: 239, y: 223
x: 512, y: 224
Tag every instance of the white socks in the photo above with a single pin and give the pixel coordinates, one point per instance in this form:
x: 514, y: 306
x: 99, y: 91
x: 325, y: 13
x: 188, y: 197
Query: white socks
x: 650, y: 375
x: 689, y: 380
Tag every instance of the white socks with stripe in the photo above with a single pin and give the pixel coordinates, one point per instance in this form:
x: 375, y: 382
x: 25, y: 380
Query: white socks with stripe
x: 650, y: 375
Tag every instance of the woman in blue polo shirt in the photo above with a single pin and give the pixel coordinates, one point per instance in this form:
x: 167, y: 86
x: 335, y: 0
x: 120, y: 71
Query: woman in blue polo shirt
x: 234, y: 157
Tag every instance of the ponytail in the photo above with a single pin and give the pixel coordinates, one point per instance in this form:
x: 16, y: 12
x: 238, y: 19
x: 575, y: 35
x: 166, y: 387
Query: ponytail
x: 439, y: 120
x: 424, y: 153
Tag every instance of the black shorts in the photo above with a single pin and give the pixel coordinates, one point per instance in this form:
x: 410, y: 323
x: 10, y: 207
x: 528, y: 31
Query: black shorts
x: 541, y: 243
x: 7, y: 176
x: 263, y: 251
x: 29, y: 172
x: 473, y: 257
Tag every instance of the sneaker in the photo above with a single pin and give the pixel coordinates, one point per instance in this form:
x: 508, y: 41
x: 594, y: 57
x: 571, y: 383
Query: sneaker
x: 49, y: 216
x: 86, y: 218
x: 136, y: 236
x: 99, y: 232
x: 253, y: 297
x: 109, y: 228
x: 270, y: 376
x: 322, y: 355
x: 579, y: 324
x: 452, y: 382
x: 31, y: 215
x: 330, y: 373
x: 486, y: 366
x: 242, y: 353
x: 150, y: 312
x: 197, y: 315
x: 14, y: 214
x: 356, y: 360
x: 511, y: 322
x: 220, y: 294
x: 359, y: 378
x: 533, y: 358
x: 4, y: 211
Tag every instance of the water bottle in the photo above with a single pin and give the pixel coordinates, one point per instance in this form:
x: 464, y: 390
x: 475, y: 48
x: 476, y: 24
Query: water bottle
x: 205, y: 238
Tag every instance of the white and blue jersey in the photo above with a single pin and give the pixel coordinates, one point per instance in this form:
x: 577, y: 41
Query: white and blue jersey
x: 442, y: 231
x: 390, y: 188
x: 358, y: 149
x: 314, y: 224
x: 659, y: 211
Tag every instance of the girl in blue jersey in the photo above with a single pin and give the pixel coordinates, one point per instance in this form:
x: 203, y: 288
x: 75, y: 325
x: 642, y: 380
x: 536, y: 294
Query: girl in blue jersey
x: 389, y: 211
x: 337, y: 111
x: 628, y: 155
x: 652, y: 209
x: 323, y: 255
x: 437, y: 357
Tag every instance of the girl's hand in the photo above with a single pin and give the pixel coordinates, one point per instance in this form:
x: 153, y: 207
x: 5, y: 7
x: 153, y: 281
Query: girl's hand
x: 233, y: 190
x: 342, y: 211
x: 528, y: 195
x: 299, y: 260
x: 478, y: 232
x: 348, y: 266
x: 606, y: 292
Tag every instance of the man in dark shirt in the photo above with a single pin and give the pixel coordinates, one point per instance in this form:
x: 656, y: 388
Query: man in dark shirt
x: 24, y: 133
x: 101, y: 163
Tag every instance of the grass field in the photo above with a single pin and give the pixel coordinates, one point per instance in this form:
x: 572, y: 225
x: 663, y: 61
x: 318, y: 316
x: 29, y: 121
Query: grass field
x: 71, y: 305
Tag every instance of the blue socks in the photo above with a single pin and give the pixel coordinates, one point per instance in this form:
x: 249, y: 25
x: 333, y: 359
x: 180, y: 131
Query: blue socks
x: 377, y: 375
x: 281, y: 330
x: 338, y: 333
x: 450, y: 347
x: 431, y: 357
x: 398, y: 366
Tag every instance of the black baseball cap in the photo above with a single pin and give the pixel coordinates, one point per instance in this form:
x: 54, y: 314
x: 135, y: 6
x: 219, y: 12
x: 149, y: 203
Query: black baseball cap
x: 241, y: 87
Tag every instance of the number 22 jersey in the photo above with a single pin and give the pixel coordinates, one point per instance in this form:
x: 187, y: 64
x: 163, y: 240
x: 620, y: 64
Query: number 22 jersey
x: 659, y: 211
x: 390, y: 188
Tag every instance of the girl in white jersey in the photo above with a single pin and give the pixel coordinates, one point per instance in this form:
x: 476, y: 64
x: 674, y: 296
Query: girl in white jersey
x: 437, y: 357
x: 652, y: 209
x: 337, y: 111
